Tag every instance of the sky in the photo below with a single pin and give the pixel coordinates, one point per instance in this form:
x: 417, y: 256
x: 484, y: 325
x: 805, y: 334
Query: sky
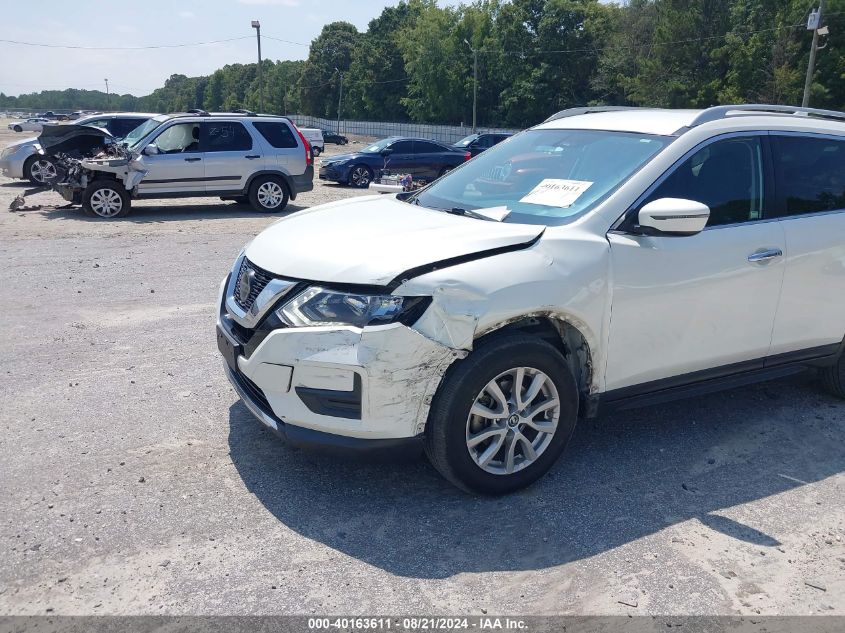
x: 115, y: 23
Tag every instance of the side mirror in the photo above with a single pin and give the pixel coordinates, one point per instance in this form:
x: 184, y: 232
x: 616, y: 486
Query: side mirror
x: 151, y: 150
x: 675, y: 216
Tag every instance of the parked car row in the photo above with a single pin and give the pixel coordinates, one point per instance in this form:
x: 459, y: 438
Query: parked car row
x: 421, y: 158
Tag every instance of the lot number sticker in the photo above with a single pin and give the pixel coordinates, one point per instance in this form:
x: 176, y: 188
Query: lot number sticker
x: 557, y: 192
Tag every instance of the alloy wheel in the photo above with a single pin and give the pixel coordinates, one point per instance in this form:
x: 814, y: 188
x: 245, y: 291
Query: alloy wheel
x: 270, y: 195
x: 512, y: 421
x: 360, y: 177
x: 106, y: 203
x: 43, y: 171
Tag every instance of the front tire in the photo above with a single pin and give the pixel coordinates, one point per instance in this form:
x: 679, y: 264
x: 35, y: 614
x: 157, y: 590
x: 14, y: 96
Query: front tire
x: 268, y: 194
x: 502, y: 416
x: 833, y: 378
x: 360, y: 176
x: 18, y: 128
x: 39, y: 170
x: 105, y: 199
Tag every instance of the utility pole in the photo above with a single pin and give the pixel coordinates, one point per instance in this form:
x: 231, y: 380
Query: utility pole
x: 339, y: 100
x: 474, y: 83
x: 107, y: 93
x: 257, y: 26
x: 814, y: 23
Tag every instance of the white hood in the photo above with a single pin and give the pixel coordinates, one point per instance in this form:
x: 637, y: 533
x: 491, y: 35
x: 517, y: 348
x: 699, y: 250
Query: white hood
x: 374, y: 239
x: 29, y: 141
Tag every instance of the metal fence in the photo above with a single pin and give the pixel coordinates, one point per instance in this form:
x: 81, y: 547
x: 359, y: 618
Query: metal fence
x: 444, y: 133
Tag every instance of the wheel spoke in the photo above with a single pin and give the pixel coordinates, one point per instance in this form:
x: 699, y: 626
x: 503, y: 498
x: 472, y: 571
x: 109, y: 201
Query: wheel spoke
x: 543, y: 406
x: 516, y: 392
x: 510, y: 451
x: 491, y: 451
x: 486, y: 412
x: 534, y: 388
x: 486, y: 434
x: 495, y: 390
x: 527, y: 447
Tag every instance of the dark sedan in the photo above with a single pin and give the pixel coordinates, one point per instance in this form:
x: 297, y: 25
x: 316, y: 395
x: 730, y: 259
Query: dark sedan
x: 423, y: 159
x: 334, y: 137
x: 477, y: 143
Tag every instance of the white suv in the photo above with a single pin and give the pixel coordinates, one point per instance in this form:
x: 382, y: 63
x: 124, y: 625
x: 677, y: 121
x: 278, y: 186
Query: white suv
x: 605, y: 258
x: 260, y: 160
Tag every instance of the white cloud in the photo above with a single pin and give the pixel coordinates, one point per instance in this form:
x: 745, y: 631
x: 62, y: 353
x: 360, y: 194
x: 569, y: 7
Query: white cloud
x: 188, y: 15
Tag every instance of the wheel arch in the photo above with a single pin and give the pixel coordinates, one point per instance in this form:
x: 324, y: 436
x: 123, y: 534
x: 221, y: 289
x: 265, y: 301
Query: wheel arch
x: 284, y: 177
x: 567, y: 337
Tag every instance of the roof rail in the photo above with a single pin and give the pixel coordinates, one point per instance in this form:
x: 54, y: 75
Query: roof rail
x: 588, y: 110
x: 244, y: 112
x: 721, y: 112
x: 197, y: 112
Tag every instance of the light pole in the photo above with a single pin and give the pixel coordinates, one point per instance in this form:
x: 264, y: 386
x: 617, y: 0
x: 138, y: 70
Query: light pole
x: 474, y: 82
x: 107, y: 93
x: 815, y: 22
x: 339, y: 99
x: 257, y: 26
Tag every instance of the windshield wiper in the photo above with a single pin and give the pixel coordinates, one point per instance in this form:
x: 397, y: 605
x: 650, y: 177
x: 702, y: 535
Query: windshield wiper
x: 467, y: 213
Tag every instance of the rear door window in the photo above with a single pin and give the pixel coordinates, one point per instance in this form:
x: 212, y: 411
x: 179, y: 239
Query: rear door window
x: 423, y: 147
x: 278, y: 134
x: 224, y: 136
x: 810, y: 173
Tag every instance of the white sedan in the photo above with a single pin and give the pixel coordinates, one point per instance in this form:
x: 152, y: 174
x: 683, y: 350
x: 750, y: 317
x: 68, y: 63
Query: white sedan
x: 28, y: 125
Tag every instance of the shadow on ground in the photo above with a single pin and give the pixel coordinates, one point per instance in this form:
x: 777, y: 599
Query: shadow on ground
x: 623, y: 477
x: 170, y: 213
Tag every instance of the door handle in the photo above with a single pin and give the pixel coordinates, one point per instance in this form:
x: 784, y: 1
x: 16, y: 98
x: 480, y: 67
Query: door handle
x: 764, y: 255
x: 251, y: 156
x: 192, y: 160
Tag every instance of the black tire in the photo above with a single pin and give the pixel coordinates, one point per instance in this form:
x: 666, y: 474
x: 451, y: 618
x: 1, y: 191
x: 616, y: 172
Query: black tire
x: 833, y: 378
x: 343, y: 141
x: 18, y: 128
x: 268, y: 194
x: 100, y: 199
x: 446, y: 433
x: 360, y: 176
x: 37, y: 169
x: 316, y: 151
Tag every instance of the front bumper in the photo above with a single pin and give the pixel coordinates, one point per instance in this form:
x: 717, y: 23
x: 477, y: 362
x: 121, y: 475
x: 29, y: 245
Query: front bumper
x: 336, y: 387
x: 334, y: 173
x: 11, y: 165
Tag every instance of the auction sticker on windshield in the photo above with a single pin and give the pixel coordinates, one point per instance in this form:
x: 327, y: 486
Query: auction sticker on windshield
x: 557, y: 192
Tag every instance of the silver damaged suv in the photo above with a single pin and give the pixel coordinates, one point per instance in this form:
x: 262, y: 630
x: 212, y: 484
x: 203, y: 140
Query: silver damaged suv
x: 260, y: 160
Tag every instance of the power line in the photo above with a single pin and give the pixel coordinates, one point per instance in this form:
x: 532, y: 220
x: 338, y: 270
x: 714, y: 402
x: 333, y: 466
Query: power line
x: 124, y: 48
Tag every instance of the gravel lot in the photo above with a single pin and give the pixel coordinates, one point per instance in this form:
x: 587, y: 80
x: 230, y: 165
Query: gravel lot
x: 135, y: 483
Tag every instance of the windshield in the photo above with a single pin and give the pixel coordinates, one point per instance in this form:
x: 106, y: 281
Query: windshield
x: 466, y: 140
x: 376, y: 147
x: 139, y: 133
x: 544, y: 176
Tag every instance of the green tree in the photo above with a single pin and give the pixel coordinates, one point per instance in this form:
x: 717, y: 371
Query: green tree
x: 320, y: 83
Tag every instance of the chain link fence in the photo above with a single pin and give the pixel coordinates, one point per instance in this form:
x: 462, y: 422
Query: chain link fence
x: 444, y: 133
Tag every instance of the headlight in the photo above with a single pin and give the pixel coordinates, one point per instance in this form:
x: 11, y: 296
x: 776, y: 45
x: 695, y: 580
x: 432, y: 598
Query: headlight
x: 320, y: 306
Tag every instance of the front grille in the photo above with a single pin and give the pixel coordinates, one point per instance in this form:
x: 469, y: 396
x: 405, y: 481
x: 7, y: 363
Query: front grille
x: 260, y: 278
